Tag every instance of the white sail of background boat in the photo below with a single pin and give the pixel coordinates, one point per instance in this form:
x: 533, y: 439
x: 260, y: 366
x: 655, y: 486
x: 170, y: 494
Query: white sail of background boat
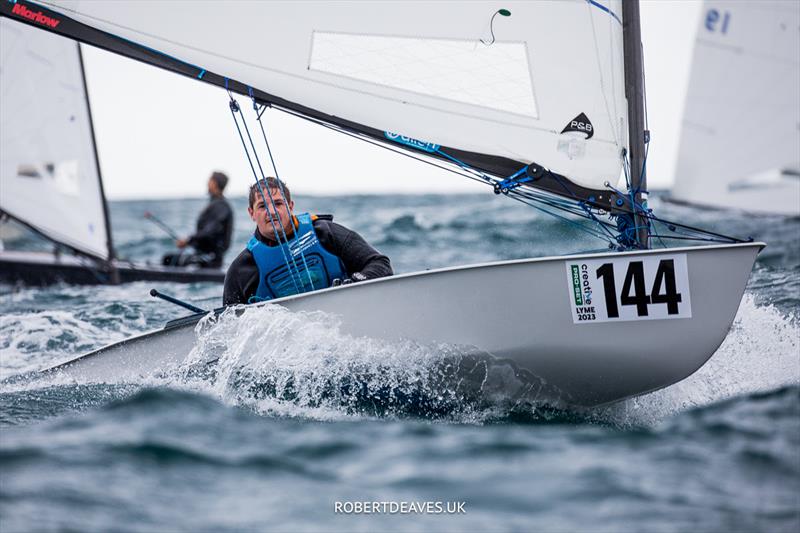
x: 740, y: 142
x: 540, y: 100
x: 49, y: 173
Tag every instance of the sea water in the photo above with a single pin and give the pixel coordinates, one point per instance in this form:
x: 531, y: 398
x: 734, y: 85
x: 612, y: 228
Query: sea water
x: 304, y: 428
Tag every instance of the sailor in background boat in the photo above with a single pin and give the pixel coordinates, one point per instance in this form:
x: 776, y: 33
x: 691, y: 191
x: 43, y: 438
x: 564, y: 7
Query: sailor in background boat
x: 212, y: 237
x: 289, y: 254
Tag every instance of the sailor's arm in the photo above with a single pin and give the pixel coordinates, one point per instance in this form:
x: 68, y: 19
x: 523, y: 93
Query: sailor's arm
x: 358, y: 256
x: 241, y: 280
x: 232, y: 293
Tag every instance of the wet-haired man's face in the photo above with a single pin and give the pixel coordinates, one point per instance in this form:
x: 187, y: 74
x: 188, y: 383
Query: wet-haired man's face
x: 273, y: 216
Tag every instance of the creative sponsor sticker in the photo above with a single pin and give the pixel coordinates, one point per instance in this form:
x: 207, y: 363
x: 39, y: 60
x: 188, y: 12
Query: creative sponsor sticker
x: 652, y: 287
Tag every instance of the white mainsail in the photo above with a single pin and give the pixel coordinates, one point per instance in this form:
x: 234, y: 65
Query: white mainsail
x: 550, y: 89
x: 740, y: 144
x: 49, y: 178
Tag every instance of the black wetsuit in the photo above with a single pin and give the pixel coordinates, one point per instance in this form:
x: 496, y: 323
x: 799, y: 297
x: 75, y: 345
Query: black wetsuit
x: 211, y: 239
x: 360, y: 260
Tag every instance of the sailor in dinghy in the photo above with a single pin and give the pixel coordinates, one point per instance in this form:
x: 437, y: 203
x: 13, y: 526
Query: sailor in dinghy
x: 214, y: 230
x: 295, y: 253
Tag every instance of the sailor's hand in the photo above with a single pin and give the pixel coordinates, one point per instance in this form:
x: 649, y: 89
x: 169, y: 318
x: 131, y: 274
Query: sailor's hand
x: 181, y: 243
x: 355, y: 278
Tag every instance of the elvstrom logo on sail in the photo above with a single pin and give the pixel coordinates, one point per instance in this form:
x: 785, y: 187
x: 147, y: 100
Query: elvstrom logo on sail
x: 409, y: 141
x: 581, y: 124
x: 36, y: 16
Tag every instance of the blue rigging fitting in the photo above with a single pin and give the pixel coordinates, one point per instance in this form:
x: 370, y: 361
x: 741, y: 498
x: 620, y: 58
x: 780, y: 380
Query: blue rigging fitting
x: 524, y: 175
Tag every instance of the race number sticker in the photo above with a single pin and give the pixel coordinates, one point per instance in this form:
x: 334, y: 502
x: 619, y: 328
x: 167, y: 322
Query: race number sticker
x: 629, y: 288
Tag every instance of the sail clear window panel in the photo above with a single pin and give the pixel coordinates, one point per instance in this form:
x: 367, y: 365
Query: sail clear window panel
x: 465, y: 71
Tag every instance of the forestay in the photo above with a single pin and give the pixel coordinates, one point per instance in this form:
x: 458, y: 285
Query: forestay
x: 548, y: 90
x: 741, y: 125
x: 48, y: 170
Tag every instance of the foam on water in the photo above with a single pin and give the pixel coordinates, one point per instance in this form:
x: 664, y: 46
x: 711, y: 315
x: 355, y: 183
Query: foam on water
x: 31, y: 341
x: 302, y: 364
x: 760, y: 353
x: 40, y: 327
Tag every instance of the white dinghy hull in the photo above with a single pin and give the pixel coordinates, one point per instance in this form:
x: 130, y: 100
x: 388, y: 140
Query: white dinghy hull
x: 523, y: 310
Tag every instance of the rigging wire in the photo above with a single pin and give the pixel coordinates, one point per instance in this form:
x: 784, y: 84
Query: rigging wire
x: 234, y: 107
x: 280, y: 188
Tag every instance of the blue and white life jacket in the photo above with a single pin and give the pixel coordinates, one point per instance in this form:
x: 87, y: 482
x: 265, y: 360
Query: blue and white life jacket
x: 313, y: 267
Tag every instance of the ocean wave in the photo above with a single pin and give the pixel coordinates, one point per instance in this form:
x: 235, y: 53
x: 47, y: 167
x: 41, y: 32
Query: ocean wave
x: 301, y: 364
x: 760, y: 354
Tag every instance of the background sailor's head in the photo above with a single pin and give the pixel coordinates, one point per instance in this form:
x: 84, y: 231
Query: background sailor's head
x: 270, y: 207
x: 217, y: 183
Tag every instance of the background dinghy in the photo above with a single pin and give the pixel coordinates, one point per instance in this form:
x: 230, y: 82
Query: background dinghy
x: 740, y: 140
x: 50, y: 180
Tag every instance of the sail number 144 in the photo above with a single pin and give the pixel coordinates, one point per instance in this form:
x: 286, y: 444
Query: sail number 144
x: 630, y: 288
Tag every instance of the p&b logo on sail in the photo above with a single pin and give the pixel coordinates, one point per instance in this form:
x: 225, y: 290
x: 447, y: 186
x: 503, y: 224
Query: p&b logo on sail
x: 581, y: 124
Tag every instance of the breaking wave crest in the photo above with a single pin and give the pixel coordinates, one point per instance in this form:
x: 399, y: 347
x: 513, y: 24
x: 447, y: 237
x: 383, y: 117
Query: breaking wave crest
x: 297, y: 363
x: 761, y: 353
x: 301, y: 364
x: 30, y: 341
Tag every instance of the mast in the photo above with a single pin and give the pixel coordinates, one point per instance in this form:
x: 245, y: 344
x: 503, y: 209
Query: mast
x: 634, y: 92
x: 114, y: 275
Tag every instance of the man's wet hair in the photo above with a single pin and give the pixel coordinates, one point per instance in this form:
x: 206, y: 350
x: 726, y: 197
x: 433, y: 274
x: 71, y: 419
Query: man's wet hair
x: 221, y: 179
x: 266, y: 185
